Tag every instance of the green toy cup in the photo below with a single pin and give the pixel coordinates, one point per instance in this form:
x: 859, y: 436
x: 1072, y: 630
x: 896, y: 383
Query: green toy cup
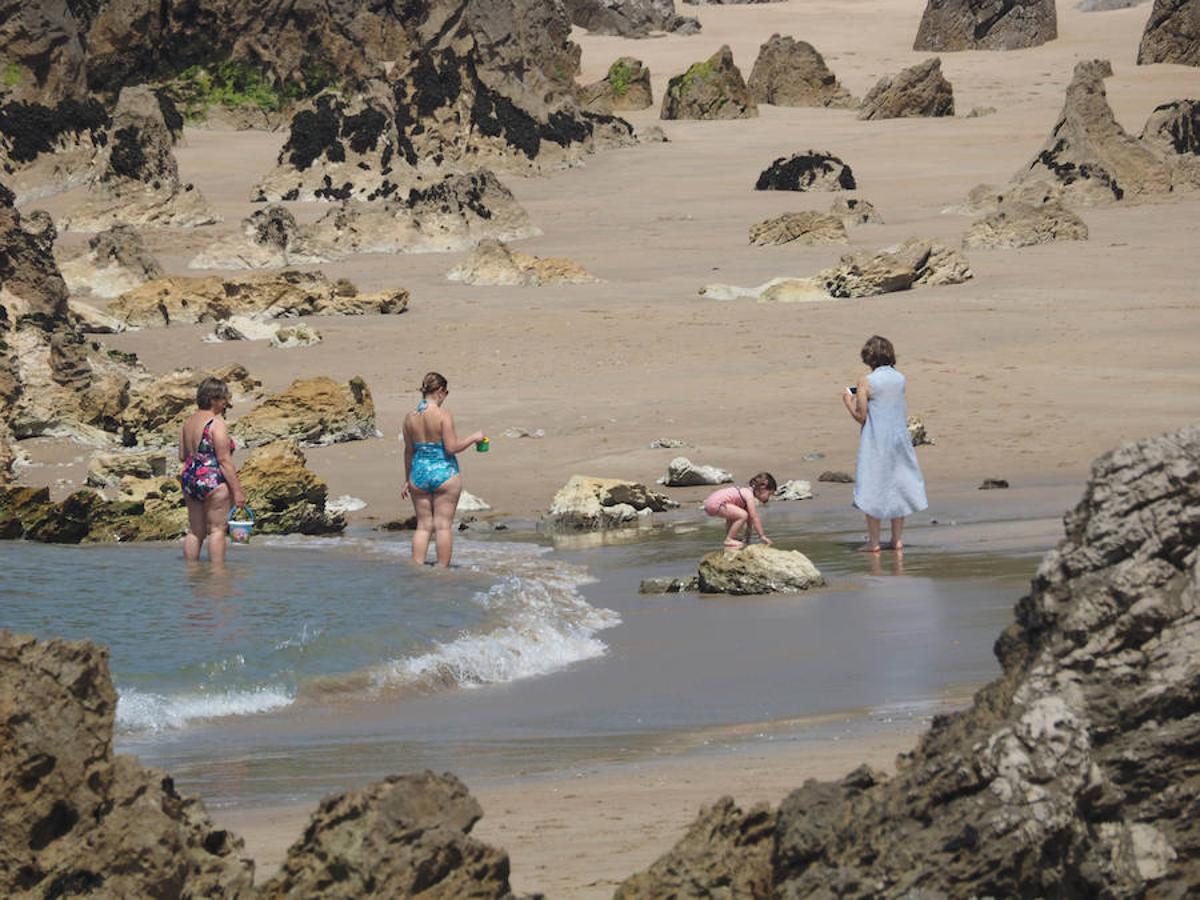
x: 482, y: 446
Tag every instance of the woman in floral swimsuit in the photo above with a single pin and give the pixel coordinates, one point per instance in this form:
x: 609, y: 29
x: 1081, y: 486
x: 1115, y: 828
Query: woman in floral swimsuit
x: 209, y: 479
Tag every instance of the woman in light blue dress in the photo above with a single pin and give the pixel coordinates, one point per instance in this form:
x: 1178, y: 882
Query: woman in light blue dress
x: 888, y: 483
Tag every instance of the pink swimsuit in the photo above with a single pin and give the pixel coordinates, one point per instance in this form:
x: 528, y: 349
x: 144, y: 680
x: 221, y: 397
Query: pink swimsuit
x: 718, y: 498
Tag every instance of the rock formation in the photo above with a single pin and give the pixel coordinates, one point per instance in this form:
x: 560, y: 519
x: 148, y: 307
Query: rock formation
x: 853, y: 211
x: 1090, y: 154
x: 180, y: 299
x: 832, y: 477
x: 1172, y: 34
x: 794, y: 489
x: 107, y: 469
x: 270, y: 239
x: 629, y: 18
x: 682, y: 472
x: 1071, y: 774
x: 138, y: 181
x: 809, y: 171
x: 287, y: 497
x: 47, y: 149
x: 920, y: 90
x: 626, y: 85
x: 918, y: 433
x: 297, y: 335
x: 1174, y: 128
x: 313, y: 411
x: 758, y: 569
x: 157, y: 406
x: 713, y: 89
x: 789, y: 72
x: 493, y: 262
x: 115, y: 261
x: 949, y: 25
x: 987, y: 198
x: 915, y: 262
x: 585, y: 503
x: 1019, y: 224
x: 810, y: 228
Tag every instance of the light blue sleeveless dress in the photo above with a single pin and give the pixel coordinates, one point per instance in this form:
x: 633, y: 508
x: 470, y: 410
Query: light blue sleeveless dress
x: 888, y: 483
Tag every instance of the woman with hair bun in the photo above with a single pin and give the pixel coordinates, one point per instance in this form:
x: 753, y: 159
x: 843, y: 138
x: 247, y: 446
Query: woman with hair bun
x: 888, y: 483
x: 431, y: 470
x: 209, y: 477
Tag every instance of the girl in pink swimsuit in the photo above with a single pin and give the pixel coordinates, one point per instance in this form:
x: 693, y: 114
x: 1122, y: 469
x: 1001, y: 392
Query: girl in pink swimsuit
x: 739, y: 505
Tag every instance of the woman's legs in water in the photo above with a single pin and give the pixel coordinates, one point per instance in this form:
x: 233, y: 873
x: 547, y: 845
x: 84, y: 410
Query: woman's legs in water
x: 216, y: 515
x: 423, y: 506
x: 896, y: 543
x: 197, y: 529
x: 872, y: 544
x: 737, y: 518
x: 445, y: 503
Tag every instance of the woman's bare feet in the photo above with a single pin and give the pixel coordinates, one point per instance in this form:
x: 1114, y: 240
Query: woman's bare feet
x: 898, y: 546
x: 869, y: 548
x: 735, y: 545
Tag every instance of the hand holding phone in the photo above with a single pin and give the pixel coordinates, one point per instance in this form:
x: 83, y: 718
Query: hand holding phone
x: 852, y: 390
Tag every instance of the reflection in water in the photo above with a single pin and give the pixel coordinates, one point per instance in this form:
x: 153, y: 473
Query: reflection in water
x: 875, y: 563
x: 210, y: 608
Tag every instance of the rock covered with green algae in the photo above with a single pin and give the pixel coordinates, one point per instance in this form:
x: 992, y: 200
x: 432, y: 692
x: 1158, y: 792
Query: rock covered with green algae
x: 758, y: 569
x: 1073, y: 773
x: 713, y: 89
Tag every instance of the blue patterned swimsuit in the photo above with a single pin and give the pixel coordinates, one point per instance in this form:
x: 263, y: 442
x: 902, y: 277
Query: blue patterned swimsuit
x: 432, y: 466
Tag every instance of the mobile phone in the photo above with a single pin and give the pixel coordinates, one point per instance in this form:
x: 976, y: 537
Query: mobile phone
x: 852, y: 390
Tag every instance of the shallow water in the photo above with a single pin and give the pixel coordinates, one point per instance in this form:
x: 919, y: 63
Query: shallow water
x: 331, y: 662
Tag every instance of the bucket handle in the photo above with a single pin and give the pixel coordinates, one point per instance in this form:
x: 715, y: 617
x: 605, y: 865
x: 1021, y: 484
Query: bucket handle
x: 248, y: 511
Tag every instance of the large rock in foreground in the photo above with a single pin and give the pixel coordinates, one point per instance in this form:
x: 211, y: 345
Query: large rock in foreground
x: 585, y: 503
x: 758, y: 569
x: 313, y: 411
x: 921, y: 90
x: 78, y: 821
x: 789, y: 72
x: 915, y: 262
x: 1172, y: 34
x: 986, y: 24
x: 713, y: 89
x: 1072, y: 774
x: 287, y: 497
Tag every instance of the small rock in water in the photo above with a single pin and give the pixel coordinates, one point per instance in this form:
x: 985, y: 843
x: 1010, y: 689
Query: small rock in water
x: 836, y: 477
x: 993, y: 484
x: 667, y: 444
x: 669, y: 585
x: 468, y: 502
x: 813, y: 457
x: 345, y: 503
x: 794, y: 489
x: 408, y: 524
x: 758, y: 569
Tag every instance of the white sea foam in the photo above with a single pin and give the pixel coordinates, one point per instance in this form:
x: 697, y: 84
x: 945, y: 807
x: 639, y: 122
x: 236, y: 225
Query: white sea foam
x: 138, y: 711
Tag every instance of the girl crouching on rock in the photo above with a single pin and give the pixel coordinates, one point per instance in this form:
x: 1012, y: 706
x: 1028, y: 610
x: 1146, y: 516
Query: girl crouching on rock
x: 739, y: 505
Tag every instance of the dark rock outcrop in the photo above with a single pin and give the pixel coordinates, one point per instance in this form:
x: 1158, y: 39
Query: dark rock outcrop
x: 47, y: 149
x: 1172, y: 34
x: 629, y: 18
x: 713, y: 89
x: 810, y: 171
x: 789, y: 72
x: 1174, y: 128
x: 921, y: 90
x: 986, y: 25
x: 1073, y: 773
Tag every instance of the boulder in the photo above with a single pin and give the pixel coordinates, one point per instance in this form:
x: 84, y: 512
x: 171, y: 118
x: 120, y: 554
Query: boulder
x: 116, y: 261
x: 758, y: 569
x: 585, y: 503
x: 854, y: 211
x: 146, y: 509
x: 1174, y: 128
x: 179, y: 299
x: 986, y: 198
x: 287, y: 497
x: 712, y: 89
x: 993, y: 484
x: 1172, y: 34
x: 794, y: 489
x: 949, y: 25
x: 86, y: 319
x: 915, y: 262
x: 269, y: 239
x: 682, y: 472
x: 789, y: 72
x: 626, y: 18
x: 243, y: 328
x: 492, y: 262
x: 1089, y: 154
x: 138, y: 181
x: 313, y: 411
x: 107, y: 469
x: 651, y: 134
x: 298, y: 335
x: 46, y: 146
x: 1072, y: 772
x: 836, y: 477
x: 88, y: 822
x: 917, y: 432
x: 43, y: 52
x: 810, y: 228
x: 1023, y: 225
x: 669, y: 585
x: 920, y: 90
x: 625, y: 86
x: 810, y: 171
x: 157, y: 407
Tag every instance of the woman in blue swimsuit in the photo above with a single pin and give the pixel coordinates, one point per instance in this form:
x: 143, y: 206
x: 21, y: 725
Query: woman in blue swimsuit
x: 430, y: 469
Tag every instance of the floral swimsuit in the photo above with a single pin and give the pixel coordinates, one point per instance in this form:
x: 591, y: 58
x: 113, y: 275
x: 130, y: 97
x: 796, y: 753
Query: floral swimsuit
x: 201, y: 472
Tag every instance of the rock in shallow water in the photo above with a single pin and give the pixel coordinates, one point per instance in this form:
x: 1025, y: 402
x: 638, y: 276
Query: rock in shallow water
x: 758, y: 569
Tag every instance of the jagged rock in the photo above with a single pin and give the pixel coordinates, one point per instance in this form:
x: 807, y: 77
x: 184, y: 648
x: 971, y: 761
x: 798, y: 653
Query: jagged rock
x: 853, y: 211
x: 287, y: 496
x: 789, y: 72
x: 585, y: 503
x: 712, y: 89
x: 920, y: 90
x: 158, y: 406
x: 45, y: 149
x: 9, y: 454
x: 669, y: 585
x: 1172, y: 34
x: 1023, y: 225
x: 468, y: 503
x: 404, y: 836
x: 725, y: 853
x: 86, y: 821
x: 626, y: 85
x: 270, y: 239
x: 1090, y: 154
x: 777, y: 290
x: 758, y: 569
x: 181, y: 299
x: 986, y: 198
x: 807, y: 227
x: 298, y: 335
x: 314, y: 411
x: 794, y: 490
x: 39, y: 225
x: 1174, y: 127
x: 107, y: 469
x: 629, y: 18
x: 493, y: 262
x: 810, y: 171
x: 993, y: 484
x: 915, y: 262
x: 682, y: 472
x: 138, y: 181
x: 917, y: 432
x: 242, y: 328
x: 42, y: 50
x: 949, y: 25
x: 115, y: 261
x: 836, y: 477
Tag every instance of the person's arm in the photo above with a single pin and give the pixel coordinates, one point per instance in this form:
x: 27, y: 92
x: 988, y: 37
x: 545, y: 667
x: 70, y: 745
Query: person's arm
x: 220, y: 440
x: 856, y: 404
x: 450, y: 439
x: 408, y: 457
x: 752, y: 514
x: 182, y: 455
